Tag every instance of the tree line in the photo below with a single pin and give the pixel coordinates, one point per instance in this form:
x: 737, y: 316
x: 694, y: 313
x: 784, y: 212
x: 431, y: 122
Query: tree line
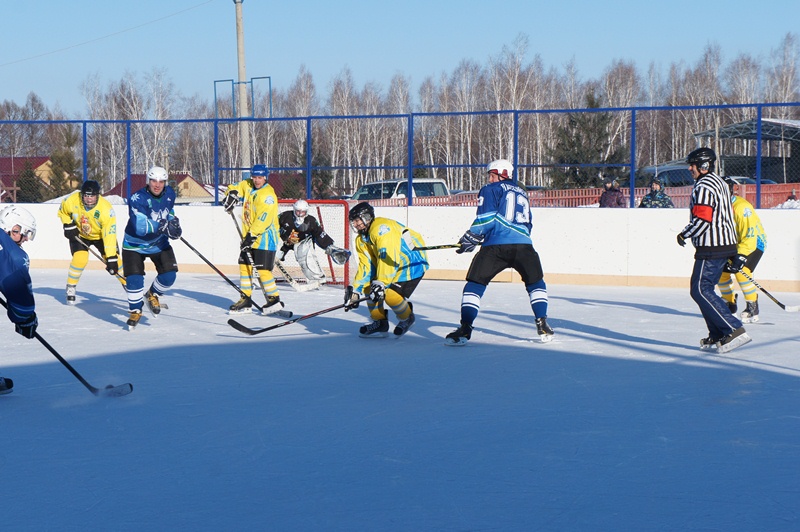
x: 453, y: 137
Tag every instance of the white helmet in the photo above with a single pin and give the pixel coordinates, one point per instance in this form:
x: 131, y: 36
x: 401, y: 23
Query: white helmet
x: 502, y: 167
x: 15, y: 215
x: 300, y: 208
x: 157, y: 173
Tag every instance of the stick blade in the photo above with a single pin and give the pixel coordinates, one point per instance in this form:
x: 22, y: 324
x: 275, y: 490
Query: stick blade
x: 794, y: 308
x: 241, y: 328
x: 117, y: 391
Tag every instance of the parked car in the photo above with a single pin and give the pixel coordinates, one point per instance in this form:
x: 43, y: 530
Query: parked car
x: 398, y: 188
x: 750, y: 181
x: 671, y: 175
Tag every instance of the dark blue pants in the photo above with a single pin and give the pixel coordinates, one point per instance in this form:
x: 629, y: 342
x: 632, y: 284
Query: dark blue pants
x: 719, y: 319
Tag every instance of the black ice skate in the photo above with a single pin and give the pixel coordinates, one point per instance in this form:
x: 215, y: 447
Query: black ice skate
x: 6, y: 385
x: 71, y: 293
x: 735, y: 339
x: 273, y: 306
x: 243, y: 306
x: 709, y: 343
x: 544, y: 331
x: 460, y: 336
x: 404, y: 325
x: 750, y: 313
x: 376, y: 329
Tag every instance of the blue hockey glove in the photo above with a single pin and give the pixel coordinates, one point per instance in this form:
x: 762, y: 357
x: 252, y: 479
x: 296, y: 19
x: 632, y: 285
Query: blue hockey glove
x: 230, y: 201
x: 28, y: 327
x: 174, y: 230
x: 468, y: 242
x: 735, y: 264
x: 377, y: 291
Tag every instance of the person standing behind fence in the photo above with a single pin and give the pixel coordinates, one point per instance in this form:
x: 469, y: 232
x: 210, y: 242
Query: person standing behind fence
x: 752, y: 245
x: 151, y: 225
x: 89, y: 220
x: 612, y: 196
x: 656, y: 198
x: 713, y: 233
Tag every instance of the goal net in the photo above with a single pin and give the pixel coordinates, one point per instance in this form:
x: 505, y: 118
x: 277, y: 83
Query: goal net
x: 332, y: 216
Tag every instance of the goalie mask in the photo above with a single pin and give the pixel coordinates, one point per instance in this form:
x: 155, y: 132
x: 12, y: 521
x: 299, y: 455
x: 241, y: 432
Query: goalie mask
x: 300, y: 209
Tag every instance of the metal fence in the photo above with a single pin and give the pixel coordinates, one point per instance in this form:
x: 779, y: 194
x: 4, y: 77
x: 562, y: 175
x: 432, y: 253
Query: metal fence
x: 566, y: 151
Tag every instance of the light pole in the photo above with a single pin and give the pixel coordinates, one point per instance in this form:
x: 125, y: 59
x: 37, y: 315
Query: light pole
x: 243, y: 107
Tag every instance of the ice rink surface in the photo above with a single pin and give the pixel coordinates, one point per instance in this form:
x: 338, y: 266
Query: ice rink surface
x: 620, y: 423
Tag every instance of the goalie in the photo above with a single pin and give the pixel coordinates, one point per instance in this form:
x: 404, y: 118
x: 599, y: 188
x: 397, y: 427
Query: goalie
x: 299, y: 232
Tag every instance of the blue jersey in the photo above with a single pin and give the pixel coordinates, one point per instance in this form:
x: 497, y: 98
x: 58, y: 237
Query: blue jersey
x: 15, y: 280
x: 504, y: 214
x: 145, y: 212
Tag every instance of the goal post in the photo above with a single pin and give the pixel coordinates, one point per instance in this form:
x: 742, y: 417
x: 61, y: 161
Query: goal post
x: 332, y: 216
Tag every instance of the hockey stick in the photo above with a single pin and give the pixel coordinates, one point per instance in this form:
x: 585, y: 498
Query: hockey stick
x: 249, y: 256
x: 97, y: 255
x: 291, y: 280
x: 220, y: 273
x: 795, y: 308
x: 443, y: 246
x: 108, y: 391
x: 247, y: 330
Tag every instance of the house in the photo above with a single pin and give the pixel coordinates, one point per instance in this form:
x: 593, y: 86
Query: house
x: 187, y: 188
x: 10, y: 168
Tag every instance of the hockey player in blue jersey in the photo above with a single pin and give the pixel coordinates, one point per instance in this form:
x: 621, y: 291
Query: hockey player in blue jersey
x: 502, y: 228
x: 16, y: 226
x: 151, y: 225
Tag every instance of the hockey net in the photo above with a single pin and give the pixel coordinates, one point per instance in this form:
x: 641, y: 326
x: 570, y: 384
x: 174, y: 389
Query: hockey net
x: 332, y: 216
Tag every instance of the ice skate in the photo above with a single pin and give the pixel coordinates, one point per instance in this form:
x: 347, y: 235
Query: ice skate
x: 72, y: 291
x: 376, y: 329
x: 274, y: 304
x: 735, y: 339
x: 708, y: 343
x: 460, y: 336
x: 404, y: 325
x: 544, y: 331
x: 152, y: 303
x: 6, y: 385
x: 750, y: 313
x: 243, y: 306
x: 136, y: 315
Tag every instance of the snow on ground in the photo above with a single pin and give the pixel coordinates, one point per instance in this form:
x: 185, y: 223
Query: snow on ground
x: 620, y: 423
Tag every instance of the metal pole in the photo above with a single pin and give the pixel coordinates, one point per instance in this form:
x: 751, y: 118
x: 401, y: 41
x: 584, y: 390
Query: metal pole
x: 243, y: 108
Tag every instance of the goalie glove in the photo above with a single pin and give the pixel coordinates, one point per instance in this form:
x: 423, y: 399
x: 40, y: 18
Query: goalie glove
x: 468, y: 242
x: 230, y: 201
x: 350, y: 298
x: 338, y: 255
x: 377, y: 291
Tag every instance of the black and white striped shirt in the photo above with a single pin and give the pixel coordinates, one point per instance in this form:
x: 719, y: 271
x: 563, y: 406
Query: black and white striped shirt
x: 711, y: 226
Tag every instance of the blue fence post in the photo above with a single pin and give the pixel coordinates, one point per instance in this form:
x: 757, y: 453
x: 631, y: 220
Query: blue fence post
x: 410, y: 162
x: 758, y: 157
x: 308, y: 159
x: 632, y: 183
x: 128, y: 159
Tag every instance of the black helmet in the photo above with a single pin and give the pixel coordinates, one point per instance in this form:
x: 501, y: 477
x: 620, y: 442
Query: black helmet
x: 703, y: 158
x: 91, y: 189
x: 362, y: 211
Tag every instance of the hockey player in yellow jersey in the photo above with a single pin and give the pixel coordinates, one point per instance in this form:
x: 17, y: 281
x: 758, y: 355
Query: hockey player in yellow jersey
x: 260, y: 237
x: 389, y: 269
x: 752, y: 243
x: 89, y: 221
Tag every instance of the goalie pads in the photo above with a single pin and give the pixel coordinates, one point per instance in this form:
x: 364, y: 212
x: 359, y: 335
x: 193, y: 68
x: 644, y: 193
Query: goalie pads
x: 304, y: 253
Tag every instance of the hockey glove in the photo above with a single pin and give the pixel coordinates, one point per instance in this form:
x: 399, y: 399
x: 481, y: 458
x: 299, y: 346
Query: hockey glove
x: 71, y: 231
x: 377, y: 292
x: 338, y: 255
x: 28, y: 327
x: 112, y: 265
x: 162, y: 225
x: 350, y: 299
x: 230, y: 201
x: 681, y: 240
x: 247, y: 242
x: 735, y: 264
x: 174, y: 230
x: 468, y: 242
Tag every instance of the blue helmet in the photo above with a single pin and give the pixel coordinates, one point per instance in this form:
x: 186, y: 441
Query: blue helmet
x: 259, y: 169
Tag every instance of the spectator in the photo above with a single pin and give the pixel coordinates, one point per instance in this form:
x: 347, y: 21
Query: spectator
x: 656, y: 198
x: 612, y: 195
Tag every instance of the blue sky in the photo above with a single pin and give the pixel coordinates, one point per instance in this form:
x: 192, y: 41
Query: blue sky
x: 50, y: 47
